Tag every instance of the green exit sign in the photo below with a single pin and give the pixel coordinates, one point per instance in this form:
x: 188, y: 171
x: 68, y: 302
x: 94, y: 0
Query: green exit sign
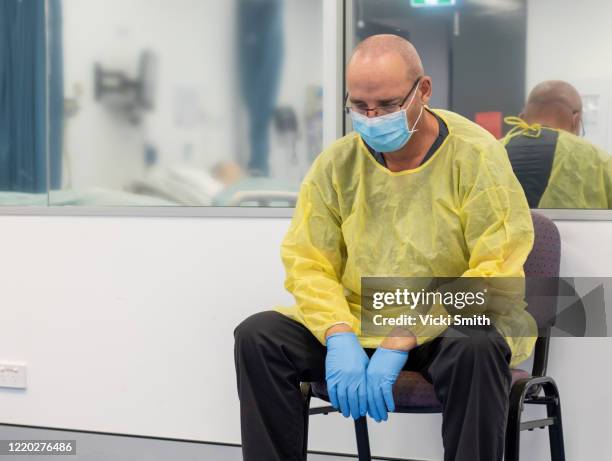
x: 425, y: 3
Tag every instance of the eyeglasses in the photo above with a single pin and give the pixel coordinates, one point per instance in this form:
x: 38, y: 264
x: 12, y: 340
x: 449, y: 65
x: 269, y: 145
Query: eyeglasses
x: 381, y: 110
x: 582, y: 130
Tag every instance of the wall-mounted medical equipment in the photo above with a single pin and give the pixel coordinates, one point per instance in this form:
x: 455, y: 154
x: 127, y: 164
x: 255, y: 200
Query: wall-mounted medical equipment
x: 130, y: 96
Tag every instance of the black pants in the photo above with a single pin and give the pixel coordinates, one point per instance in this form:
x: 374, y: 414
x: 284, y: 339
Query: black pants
x: 274, y: 354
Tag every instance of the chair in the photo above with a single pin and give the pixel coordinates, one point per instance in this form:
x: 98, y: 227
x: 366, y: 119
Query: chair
x: 413, y: 394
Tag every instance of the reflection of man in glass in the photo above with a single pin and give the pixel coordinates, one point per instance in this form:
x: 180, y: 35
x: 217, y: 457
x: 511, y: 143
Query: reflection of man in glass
x: 260, y: 53
x: 413, y: 192
x: 556, y: 167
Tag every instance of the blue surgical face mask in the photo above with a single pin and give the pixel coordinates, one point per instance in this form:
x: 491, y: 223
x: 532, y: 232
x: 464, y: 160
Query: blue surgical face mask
x: 386, y: 133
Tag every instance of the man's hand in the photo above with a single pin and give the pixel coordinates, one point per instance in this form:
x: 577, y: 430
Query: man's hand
x: 383, y: 370
x: 345, y: 372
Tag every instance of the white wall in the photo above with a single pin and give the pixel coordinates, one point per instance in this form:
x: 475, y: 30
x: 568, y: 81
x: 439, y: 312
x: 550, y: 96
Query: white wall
x: 126, y: 325
x: 570, y: 40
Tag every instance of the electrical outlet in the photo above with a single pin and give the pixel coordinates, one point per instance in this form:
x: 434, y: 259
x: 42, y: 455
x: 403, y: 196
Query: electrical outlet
x: 12, y: 375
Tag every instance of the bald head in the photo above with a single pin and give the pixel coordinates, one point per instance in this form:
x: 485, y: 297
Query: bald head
x: 381, y: 46
x: 555, y: 104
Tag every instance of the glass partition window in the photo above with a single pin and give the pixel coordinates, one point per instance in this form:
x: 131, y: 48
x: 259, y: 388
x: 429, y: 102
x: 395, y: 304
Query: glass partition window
x: 221, y: 103
x: 162, y: 103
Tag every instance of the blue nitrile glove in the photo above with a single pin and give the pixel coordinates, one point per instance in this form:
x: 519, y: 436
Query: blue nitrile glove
x: 345, y: 373
x: 383, y: 370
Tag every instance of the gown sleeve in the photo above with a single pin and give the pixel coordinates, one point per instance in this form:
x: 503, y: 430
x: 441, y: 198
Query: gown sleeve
x: 313, y: 253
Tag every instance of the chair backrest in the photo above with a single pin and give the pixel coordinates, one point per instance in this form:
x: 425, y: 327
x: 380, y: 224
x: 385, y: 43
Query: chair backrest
x: 542, y: 287
x: 542, y: 271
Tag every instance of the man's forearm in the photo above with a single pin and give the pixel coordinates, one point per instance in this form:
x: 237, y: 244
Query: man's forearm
x: 399, y: 339
x: 339, y: 328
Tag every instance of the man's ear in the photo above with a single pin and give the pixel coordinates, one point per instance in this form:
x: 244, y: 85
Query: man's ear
x: 425, y: 88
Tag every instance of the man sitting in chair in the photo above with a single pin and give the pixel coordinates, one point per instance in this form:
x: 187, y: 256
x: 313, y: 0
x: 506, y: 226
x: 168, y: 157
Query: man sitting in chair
x: 413, y: 192
x: 556, y: 166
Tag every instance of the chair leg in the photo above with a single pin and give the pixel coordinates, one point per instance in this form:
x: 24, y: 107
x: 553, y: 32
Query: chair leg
x: 513, y: 428
x: 363, y: 440
x: 555, y: 431
x: 553, y: 408
x: 306, y: 394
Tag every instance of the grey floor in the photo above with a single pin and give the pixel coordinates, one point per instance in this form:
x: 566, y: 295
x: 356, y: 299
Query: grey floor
x: 97, y: 447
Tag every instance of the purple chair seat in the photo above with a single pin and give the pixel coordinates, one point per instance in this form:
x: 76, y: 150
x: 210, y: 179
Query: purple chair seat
x: 412, y: 391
